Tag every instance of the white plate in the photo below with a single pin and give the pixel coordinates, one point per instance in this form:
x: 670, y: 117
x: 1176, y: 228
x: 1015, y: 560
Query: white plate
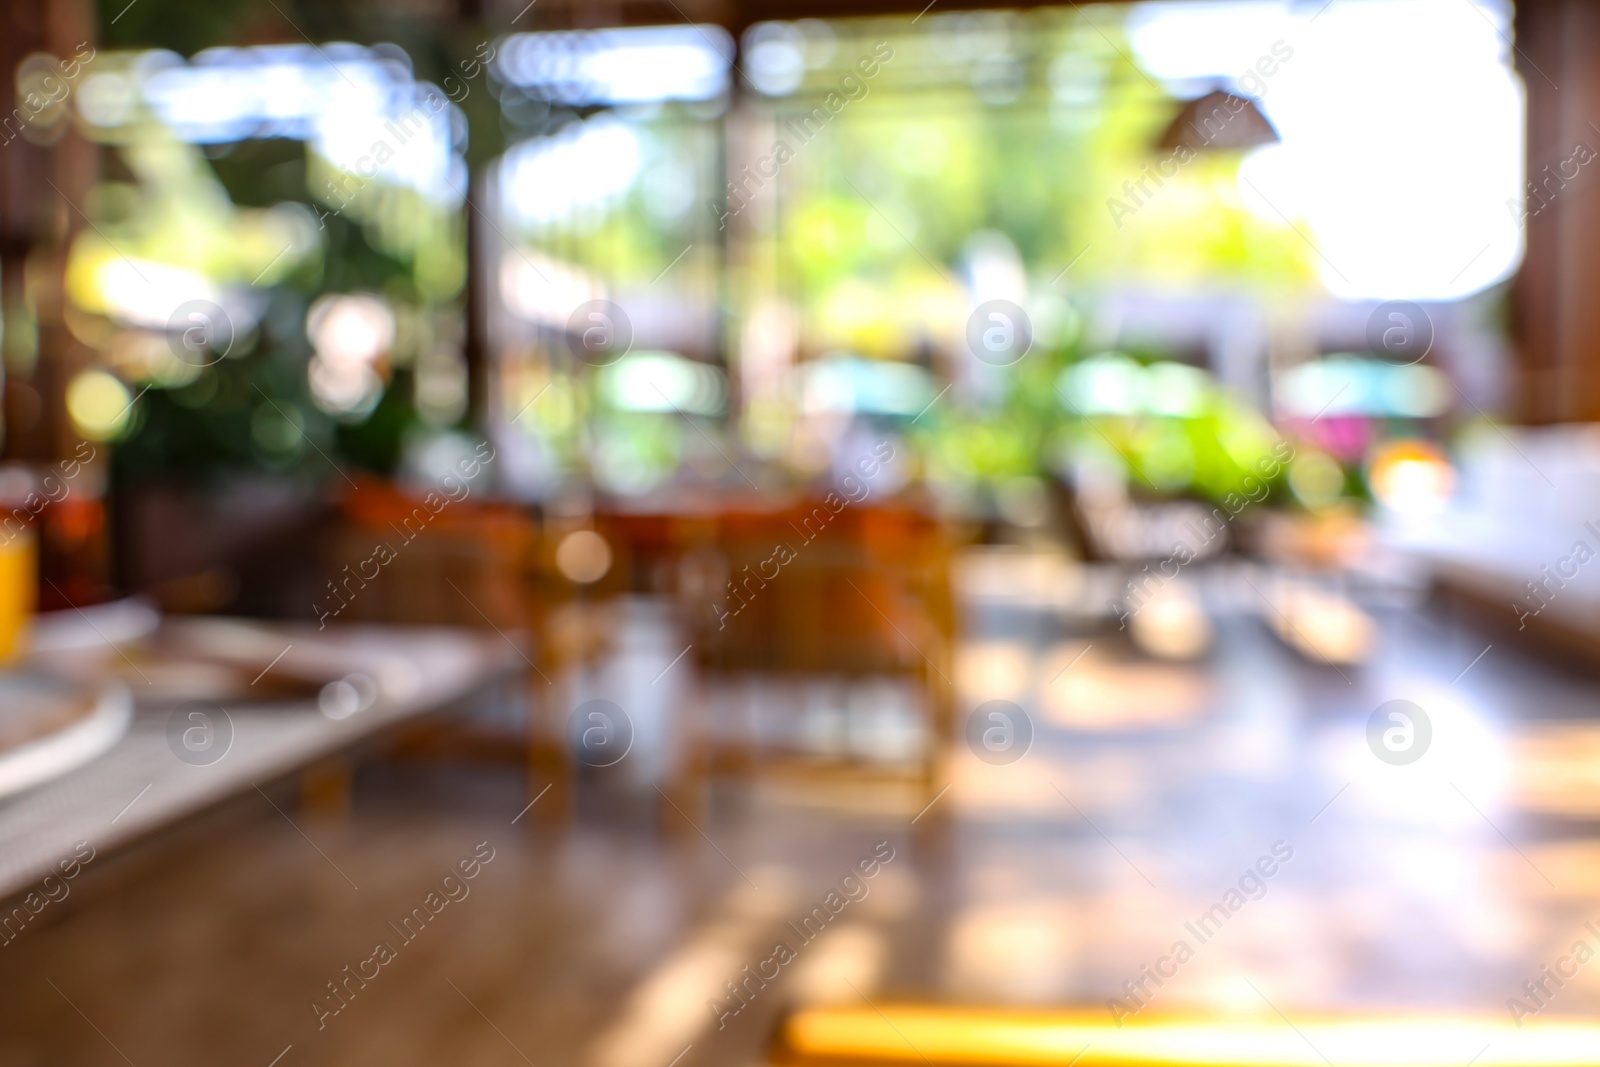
x: 97, y: 627
x: 80, y: 741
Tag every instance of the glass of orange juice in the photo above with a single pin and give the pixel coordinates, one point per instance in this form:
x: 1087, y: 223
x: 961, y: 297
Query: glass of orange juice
x: 19, y: 583
x: 19, y: 562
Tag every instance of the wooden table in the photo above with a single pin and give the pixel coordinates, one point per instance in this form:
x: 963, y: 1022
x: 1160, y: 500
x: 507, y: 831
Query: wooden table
x: 140, y: 786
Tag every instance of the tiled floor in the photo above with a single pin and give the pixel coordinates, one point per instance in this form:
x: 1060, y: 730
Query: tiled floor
x: 1148, y: 794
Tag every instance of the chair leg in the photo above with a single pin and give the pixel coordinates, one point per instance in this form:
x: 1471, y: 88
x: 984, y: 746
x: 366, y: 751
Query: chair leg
x: 941, y: 707
x: 684, y: 790
x: 549, y: 763
x: 325, y: 789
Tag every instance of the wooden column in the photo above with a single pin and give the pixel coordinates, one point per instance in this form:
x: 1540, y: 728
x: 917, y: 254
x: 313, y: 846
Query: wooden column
x: 1556, y: 296
x: 37, y: 223
x: 47, y: 171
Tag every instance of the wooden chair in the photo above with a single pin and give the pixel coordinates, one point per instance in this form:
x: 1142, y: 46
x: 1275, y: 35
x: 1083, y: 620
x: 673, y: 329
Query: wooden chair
x: 482, y: 565
x: 806, y: 591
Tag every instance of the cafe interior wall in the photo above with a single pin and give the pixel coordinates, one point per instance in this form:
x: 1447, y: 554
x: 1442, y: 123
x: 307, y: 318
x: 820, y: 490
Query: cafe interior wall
x: 156, y: 490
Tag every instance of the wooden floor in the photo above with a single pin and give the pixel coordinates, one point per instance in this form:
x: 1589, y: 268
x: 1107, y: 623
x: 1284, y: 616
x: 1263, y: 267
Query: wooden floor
x: 1149, y: 793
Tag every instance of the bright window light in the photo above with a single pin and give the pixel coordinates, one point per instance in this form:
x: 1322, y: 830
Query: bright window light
x: 1362, y: 386
x: 1401, y: 125
x: 359, y: 108
x: 863, y: 386
x: 664, y: 382
x: 622, y: 66
x: 580, y: 172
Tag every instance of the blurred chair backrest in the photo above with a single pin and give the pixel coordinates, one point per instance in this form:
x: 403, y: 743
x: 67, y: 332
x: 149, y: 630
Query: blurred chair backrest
x: 393, y: 558
x: 863, y: 589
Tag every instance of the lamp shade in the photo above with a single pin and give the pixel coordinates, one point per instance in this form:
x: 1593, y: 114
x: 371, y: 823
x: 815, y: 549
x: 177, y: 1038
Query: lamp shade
x: 1219, y: 120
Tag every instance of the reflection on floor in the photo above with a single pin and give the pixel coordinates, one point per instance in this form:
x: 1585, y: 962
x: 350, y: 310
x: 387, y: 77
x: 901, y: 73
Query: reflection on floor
x: 1152, y: 804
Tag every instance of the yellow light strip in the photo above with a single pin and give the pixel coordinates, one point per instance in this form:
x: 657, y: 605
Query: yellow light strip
x: 947, y: 1037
